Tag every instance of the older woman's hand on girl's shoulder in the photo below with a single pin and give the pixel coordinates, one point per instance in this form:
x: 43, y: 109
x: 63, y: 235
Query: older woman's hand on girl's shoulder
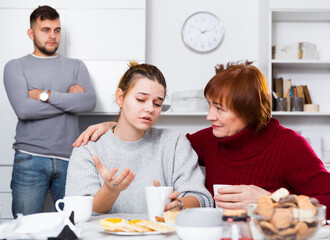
x: 92, y: 133
x: 114, y: 183
x: 238, y: 196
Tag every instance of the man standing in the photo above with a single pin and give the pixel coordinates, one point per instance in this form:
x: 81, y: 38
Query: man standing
x: 46, y: 91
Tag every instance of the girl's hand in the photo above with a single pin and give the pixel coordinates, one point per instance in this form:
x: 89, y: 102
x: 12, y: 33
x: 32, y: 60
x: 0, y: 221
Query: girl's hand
x: 93, y: 132
x: 238, y: 196
x: 173, y: 205
x: 114, y: 183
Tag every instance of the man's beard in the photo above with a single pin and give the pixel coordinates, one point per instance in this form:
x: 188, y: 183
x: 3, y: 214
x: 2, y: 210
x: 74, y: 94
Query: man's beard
x: 44, y: 50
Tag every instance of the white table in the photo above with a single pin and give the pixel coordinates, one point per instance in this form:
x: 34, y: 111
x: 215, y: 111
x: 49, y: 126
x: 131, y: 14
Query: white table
x: 92, y: 230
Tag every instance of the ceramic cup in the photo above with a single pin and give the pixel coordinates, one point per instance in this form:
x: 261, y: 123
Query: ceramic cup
x: 216, y: 187
x: 157, y: 198
x: 80, y: 205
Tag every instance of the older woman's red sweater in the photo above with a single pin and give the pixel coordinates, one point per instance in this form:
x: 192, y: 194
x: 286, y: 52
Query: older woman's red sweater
x: 273, y: 158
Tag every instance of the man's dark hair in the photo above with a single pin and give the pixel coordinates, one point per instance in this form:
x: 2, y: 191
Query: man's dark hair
x: 43, y: 12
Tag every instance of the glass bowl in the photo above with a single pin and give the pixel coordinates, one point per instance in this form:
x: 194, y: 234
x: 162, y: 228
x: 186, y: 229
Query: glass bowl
x: 302, y: 224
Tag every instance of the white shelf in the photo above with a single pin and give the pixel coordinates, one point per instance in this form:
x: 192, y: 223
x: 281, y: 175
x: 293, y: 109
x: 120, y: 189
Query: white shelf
x: 168, y: 113
x: 204, y: 114
x: 279, y: 113
x: 301, y: 15
x: 301, y: 63
x: 98, y: 113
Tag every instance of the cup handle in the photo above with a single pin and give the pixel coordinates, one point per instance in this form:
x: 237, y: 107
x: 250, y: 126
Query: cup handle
x: 58, y: 203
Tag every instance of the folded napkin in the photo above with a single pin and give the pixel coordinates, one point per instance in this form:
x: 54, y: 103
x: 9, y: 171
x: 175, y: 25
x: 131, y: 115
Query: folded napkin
x: 52, y: 225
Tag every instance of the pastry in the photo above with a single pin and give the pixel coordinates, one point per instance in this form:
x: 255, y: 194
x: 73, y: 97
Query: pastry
x: 170, y: 216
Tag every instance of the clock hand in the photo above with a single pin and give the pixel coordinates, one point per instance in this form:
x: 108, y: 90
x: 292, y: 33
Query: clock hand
x: 201, y: 31
x: 209, y: 30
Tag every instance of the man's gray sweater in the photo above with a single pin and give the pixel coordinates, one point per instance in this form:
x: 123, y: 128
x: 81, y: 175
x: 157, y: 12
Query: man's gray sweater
x: 47, y: 128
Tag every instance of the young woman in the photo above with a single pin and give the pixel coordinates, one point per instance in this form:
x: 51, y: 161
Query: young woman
x: 246, y: 147
x: 139, y: 152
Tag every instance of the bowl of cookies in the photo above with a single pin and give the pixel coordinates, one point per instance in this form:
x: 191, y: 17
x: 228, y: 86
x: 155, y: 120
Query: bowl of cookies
x: 282, y: 215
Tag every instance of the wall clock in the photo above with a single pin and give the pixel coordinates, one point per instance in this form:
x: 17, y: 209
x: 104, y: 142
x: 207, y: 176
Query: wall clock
x: 202, y: 32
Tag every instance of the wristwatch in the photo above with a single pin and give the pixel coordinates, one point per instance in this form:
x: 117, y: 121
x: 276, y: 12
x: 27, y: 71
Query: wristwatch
x: 180, y: 204
x: 43, y: 97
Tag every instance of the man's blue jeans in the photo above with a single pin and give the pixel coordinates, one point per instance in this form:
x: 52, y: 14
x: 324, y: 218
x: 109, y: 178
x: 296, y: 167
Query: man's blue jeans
x: 32, y: 177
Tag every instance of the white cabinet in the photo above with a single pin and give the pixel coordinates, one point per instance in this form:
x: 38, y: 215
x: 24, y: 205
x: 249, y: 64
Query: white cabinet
x: 5, y: 191
x: 5, y: 199
x: 287, y: 26
x: 105, y: 76
x: 106, y: 34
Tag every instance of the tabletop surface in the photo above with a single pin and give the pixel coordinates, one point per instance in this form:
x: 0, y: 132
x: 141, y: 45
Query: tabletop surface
x: 92, y: 230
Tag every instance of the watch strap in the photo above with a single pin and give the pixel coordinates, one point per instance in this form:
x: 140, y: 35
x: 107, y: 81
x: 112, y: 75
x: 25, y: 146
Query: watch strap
x: 180, y: 204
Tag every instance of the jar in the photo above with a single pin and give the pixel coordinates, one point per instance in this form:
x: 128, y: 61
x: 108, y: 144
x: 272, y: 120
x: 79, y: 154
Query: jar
x: 236, y: 228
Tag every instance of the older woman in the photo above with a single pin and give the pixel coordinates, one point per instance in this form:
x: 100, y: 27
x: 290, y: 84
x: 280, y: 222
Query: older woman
x: 248, y: 149
x: 246, y: 146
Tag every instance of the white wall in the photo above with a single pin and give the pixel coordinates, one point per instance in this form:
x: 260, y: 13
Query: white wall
x: 184, y: 69
x: 245, y: 38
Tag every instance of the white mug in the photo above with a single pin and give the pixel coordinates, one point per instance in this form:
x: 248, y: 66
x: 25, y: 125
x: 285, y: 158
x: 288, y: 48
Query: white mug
x: 80, y: 205
x: 157, y: 198
x: 215, y: 190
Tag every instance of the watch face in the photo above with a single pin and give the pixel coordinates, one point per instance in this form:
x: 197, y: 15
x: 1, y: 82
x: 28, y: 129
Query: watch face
x: 43, y: 96
x: 202, y: 32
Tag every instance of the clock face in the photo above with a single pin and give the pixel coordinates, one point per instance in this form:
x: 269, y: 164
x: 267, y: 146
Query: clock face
x: 202, y: 32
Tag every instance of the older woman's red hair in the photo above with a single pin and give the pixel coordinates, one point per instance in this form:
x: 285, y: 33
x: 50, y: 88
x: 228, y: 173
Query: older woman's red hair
x: 243, y: 89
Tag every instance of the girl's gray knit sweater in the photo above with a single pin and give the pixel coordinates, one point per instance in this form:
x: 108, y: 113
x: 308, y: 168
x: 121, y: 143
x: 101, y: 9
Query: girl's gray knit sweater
x: 161, y: 154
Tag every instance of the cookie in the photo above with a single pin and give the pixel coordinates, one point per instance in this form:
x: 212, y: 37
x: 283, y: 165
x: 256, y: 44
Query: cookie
x: 278, y: 194
x: 170, y: 216
x: 269, y: 226
x: 301, y: 228
x: 314, y: 201
x: 303, y: 215
x: 234, y: 212
x: 287, y: 205
x: 289, y: 199
x: 305, y: 203
x: 288, y: 231
x: 156, y: 226
x: 159, y: 219
x: 265, y: 206
x: 282, y: 218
